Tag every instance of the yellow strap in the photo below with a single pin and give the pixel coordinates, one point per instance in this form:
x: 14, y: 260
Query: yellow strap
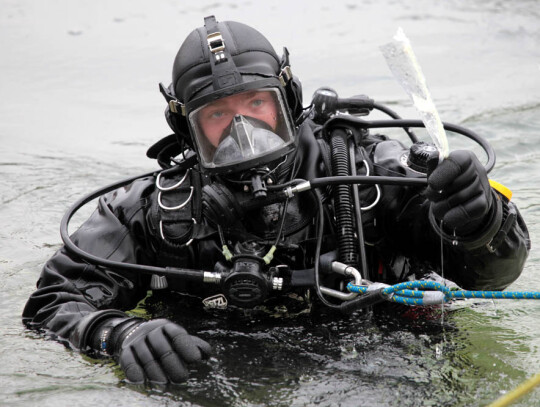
x: 518, y: 392
x: 501, y: 189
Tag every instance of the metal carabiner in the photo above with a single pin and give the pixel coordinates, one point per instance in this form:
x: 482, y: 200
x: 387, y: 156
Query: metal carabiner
x: 348, y: 271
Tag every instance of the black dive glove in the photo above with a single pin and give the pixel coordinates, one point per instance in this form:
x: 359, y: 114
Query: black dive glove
x: 156, y: 351
x: 460, y: 193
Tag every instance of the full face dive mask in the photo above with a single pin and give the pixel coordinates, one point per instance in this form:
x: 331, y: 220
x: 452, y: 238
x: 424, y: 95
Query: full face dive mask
x: 242, y: 131
x: 222, y: 70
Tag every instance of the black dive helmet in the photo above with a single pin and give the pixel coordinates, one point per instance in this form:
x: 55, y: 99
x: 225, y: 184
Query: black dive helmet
x: 225, y: 65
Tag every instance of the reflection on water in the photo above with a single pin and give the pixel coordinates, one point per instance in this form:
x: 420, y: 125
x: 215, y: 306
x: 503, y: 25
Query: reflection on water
x: 80, y: 105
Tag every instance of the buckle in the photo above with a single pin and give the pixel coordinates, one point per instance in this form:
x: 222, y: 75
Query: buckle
x: 176, y: 107
x: 215, y: 42
x: 285, y: 75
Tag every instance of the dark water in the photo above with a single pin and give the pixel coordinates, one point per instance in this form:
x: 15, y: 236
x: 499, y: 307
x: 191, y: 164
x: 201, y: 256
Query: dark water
x: 78, y: 82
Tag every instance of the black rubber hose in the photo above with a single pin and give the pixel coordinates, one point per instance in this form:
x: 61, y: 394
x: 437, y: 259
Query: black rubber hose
x: 318, y: 245
x: 377, y: 124
x: 394, y: 115
x: 367, y: 180
x: 358, y: 214
x: 342, y: 200
x: 186, y: 274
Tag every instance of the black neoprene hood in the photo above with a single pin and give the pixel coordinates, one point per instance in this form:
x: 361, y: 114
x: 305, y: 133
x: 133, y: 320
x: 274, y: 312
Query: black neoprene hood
x: 252, y: 53
x: 222, y: 59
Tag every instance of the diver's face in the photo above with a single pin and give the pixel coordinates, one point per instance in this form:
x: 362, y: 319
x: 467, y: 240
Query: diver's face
x: 216, y: 116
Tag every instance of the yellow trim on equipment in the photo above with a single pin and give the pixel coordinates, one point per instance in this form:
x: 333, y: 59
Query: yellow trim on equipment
x: 501, y: 189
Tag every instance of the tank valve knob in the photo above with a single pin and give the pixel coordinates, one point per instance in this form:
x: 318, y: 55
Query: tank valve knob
x: 419, y: 155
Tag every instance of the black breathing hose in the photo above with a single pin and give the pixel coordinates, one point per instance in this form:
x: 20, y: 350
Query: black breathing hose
x: 342, y: 199
x: 404, y: 123
x: 358, y: 213
x: 318, y: 245
x: 187, y: 274
x: 394, y: 115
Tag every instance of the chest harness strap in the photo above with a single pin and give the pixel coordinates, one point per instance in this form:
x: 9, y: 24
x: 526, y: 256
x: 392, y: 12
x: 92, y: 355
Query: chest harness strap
x: 175, y: 217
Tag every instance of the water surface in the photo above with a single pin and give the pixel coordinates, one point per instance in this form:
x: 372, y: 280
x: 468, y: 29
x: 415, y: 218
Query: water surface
x: 80, y: 105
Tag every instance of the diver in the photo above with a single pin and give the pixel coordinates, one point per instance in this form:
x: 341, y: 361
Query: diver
x: 252, y: 205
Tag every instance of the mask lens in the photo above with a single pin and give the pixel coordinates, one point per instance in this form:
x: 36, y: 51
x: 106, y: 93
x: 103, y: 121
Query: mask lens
x: 248, y: 138
x: 241, y: 127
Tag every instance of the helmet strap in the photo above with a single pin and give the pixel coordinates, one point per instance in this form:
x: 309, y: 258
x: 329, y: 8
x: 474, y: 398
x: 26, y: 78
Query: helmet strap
x: 224, y: 71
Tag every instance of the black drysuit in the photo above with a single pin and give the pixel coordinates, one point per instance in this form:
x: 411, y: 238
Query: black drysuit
x: 399, y: 237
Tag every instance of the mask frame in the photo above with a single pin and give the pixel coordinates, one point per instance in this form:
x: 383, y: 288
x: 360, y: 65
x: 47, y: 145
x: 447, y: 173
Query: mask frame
x: 268, y: 84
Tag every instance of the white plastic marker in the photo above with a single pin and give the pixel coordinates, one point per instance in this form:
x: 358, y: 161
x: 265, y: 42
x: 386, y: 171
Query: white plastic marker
x: 404, y: 66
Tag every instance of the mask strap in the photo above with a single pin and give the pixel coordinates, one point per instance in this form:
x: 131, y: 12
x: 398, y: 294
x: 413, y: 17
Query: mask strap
x: 224, y: 71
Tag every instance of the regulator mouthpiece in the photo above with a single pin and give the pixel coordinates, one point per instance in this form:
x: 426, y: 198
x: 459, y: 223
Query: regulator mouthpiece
x: 248, y: 138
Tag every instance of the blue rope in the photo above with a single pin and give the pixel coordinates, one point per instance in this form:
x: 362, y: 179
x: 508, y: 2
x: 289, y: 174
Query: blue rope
x: 411, y: 293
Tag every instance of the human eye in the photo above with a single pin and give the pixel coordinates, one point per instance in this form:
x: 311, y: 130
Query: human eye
x: 257, y: 102
x: 216, y: 114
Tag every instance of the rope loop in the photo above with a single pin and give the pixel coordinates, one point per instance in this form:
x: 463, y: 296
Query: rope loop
x: 426, y: 293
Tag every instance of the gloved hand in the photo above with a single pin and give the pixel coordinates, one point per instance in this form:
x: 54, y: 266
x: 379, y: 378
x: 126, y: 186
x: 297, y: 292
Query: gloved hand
x: 156, y: 351
x: 460, y: 193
